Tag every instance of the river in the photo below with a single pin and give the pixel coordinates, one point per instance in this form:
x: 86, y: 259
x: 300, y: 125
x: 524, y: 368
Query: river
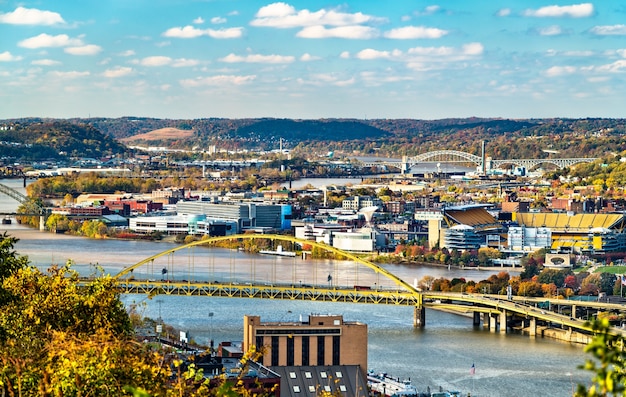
x: 441, y: 354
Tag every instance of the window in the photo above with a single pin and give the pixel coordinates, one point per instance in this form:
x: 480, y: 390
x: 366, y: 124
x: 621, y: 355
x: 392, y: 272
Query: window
x: 292, y: 375
x: 342, y: 388
x: 307, y: 375
x: 323, y: 375
x: 296, y: 389
x: 338, y: 374
x: 312, y: 388
x: 327, y: 388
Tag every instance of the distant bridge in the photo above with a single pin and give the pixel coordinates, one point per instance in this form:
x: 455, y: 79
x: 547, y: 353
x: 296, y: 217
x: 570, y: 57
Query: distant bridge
x: 362, y: 284
x: 19, y: 197
x: 455, y: 156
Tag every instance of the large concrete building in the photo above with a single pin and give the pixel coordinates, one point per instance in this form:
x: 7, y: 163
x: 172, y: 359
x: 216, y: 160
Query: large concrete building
x: 316, y: 341
x: 245, y: 214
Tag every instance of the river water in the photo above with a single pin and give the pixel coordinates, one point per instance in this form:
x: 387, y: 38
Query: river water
x: 441, y: 354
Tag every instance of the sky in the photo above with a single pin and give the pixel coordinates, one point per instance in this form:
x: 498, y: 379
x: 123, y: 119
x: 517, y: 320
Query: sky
x: 365, y: 59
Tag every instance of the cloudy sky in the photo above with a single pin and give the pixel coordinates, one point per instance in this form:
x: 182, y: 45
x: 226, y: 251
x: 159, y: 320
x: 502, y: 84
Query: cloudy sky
x: 312, y: 59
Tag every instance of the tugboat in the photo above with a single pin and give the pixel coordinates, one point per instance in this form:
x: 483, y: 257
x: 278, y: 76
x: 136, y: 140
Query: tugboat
x: 384, y: 385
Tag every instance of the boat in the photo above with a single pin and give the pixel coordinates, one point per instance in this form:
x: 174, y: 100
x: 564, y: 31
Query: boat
x: 381, y: 384
x: 279, y: 251
x: 384, y: 385
x: 6, y: 220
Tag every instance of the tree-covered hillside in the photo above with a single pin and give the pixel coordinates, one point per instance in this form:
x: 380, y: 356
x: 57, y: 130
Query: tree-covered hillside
x: 505, y: 138
x: 54, y: 140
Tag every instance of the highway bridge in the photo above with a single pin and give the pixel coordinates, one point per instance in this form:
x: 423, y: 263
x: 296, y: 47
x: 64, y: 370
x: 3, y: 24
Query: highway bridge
x: 484, y: 164
x: 354, y: 280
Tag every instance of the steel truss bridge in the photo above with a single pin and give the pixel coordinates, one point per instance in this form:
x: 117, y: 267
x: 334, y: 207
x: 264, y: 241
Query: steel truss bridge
x: 455, y: 156
x: 191, y: 270
x: 19, y: 197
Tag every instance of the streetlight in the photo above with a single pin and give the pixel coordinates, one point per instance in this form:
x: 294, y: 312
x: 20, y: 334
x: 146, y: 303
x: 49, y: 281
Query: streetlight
x: 211, y: 332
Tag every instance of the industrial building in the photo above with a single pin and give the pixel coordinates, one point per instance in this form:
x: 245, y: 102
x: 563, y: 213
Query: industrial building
x: 318, y: 340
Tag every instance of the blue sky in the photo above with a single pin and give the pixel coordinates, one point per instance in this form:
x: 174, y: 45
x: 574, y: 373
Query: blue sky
x: 312, y: 59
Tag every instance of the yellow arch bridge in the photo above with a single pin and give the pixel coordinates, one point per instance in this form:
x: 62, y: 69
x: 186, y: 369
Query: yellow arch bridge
x: 194, y: 269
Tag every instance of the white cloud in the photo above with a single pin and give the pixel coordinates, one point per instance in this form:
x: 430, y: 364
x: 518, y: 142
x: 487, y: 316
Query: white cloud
x: 198, y: 21
x: 415, y: 32
x: 183, y: 62
x: 553, y: 30
x: 615, y: 67
x: 46, y: 40
x: 31, y: 16
x: 190, y: 32
x: 580, y: 53
x: 230, y: 33
x: 342, y: 32
x: 573, y: 11
x: 186, y: 32
x: 159, y: 60
x: 504, y: 12
x: 424, y: 55
x: 218, y: 20
x: 8, y: 57
x: 282, y: 15
x: 473, y: 49
x: 609, y: 30
x: 344, y: 55
x: 221, y: 80
x: 155, y: 61
x: 69, y: 75
x: 308, y: 57
x: 428, y: 10
x: 257, y: 58
x: 118, y: 71
x: 89, y: 49
x: 127, y: 53
x: 556, y: 71
x: 45, y: 62
x: 370, y: 53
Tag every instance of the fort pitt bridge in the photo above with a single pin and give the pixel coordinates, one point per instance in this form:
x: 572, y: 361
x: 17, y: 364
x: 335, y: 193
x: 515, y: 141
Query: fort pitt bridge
x: 191, y: 270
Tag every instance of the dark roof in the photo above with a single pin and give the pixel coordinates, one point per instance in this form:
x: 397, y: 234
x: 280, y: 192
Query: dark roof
x: 348, y: 380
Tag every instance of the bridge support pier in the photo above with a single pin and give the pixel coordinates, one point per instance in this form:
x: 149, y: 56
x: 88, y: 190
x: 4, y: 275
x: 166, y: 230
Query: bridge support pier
x: 493, y: 323
x: 573, y: 312
x: 419, y: 317
x: 532, y: 327
x: 486, y: 320
x: 42, y: 222
x: 503, y: 324
x: 476, y: 319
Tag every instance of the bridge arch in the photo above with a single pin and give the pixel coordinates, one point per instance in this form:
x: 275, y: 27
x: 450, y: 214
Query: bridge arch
x: 398, y: 281
x: 17, y: 196
x: 442, y: 154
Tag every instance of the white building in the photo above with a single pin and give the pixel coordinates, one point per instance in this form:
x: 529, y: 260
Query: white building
x: 182, y: 224
x: 342, y: 237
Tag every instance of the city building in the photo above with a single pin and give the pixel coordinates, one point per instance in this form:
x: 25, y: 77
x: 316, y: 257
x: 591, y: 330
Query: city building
x: 317, y: 340
x: 357, y: 202
x: 342, y: 237
x: 244, y: 214
x: 182, y: 224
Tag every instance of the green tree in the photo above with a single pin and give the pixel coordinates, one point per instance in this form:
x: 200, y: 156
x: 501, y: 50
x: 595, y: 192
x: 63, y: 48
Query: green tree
x: 607, y: 364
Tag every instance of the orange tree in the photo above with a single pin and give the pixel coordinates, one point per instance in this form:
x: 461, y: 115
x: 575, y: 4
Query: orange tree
x: 58, y: 337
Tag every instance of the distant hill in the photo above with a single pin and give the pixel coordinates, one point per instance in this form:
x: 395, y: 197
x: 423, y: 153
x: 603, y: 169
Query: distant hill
x: 55, y: 140
x: 505, y: 138
x: 160, y: 134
